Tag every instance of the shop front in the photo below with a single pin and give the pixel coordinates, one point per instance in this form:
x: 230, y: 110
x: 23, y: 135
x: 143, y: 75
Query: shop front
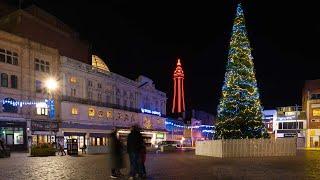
x: 313, y: 138
x: 80, y: 136
x: 43, y: 131
x: 150, y: 137
x: 14, y: 134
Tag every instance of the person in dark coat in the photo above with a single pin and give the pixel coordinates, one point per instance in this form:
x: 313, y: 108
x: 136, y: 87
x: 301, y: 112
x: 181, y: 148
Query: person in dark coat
x: 142, y: 160
x: 116, y: 162
x: 134, y: 145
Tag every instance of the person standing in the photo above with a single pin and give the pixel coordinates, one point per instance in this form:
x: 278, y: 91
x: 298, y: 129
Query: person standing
x: 116, y: 162
x: 134, y: 145
x: 61, y: 150
x: 143, y: 155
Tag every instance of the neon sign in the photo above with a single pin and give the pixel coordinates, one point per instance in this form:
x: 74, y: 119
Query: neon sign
x: 150, y: 112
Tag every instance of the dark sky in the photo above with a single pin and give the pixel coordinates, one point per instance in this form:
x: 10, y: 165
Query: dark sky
x: 146, y: 37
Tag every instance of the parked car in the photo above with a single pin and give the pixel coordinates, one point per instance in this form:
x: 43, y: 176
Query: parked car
x: 172, y: 145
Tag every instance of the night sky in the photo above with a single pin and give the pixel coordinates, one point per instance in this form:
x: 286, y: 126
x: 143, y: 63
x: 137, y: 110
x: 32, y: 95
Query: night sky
x: 147, y: 37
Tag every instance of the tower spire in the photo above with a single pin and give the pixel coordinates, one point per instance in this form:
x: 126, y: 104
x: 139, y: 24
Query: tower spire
x: 178, y: 105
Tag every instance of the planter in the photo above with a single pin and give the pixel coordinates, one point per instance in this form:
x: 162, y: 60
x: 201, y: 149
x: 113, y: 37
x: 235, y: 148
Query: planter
x: 43, y: 150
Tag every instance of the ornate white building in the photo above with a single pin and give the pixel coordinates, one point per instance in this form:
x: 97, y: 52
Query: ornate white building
x: 94, y: 100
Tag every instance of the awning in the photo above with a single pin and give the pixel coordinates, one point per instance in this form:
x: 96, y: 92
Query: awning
x: 74, y: 134
x: 99, y: 135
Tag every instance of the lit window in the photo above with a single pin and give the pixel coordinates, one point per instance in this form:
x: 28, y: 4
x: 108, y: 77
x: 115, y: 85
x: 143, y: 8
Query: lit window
x: 74, y: 111
x: 316, y: 112
x: 91, y: 112
x: 109, y: 114
x: 42, y: 111
x: 100, y: 113
x: 73, y: 80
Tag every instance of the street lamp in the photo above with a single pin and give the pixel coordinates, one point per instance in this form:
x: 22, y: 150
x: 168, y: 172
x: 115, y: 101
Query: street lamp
x: 51, y: 84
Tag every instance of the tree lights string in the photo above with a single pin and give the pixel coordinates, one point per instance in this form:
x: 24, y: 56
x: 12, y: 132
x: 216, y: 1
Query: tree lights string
x: 239, y: 110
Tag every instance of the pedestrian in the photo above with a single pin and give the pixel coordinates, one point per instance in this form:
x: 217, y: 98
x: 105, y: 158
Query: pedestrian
x: 143, y: 155
x: 116, y: 160
x: 134, y: 145
x: 84, y: 149
x: 62, y: 150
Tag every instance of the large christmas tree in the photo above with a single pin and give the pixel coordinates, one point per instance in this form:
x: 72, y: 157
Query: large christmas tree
x: 239, y: 111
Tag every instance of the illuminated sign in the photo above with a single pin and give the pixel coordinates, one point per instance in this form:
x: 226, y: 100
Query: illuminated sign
x: 150, y: 112
x: 160, y: 136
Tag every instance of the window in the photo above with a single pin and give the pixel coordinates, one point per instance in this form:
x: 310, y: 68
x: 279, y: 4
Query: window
x: 131, y: 104
x: 14, y: 81
x: 99, y: 96
x: 90, y: 83
x: 41, y: 65
x: 108, y: 99
x: 285, y: 125
x: 89, y: 95
x: 100, y: 113
x: 300, y: 125
x: 74, y: 111
x: 109, y: 114
x: 38, y: 86
x: 99, y: 85
x: 4, y: 80
x: 280, y: 125
x: 117, y: 101
x: 2, y: 55
x: 118, y: 92
x: 73, y: 92
x: 91, y: 112
x: 42, y: 111
x: 9, y: 57
x: 124, y: 93
x: 316, y: 112
x: 73, y: 80
x: 125, y: 103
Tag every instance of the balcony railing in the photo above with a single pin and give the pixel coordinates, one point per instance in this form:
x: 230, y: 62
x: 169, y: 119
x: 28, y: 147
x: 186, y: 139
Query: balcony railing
x: 98, y: 103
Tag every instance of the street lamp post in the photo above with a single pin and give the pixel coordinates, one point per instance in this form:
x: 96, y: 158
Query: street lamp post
x: 51, y: 84
x: 296, y: 116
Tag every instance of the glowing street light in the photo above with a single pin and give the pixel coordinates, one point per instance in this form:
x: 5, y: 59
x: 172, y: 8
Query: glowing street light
x: 51, y: 84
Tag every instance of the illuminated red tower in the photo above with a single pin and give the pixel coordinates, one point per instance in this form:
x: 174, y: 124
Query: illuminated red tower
x: 178, y: 105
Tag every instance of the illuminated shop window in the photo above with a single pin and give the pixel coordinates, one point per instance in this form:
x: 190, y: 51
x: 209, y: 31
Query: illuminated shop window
x: 73, y: 80
x: 74, y: 111
x: 42, y: 111
x: 109, y: 114
x: 100, y: 113
x: 91, y: 112
x: 316, y: 112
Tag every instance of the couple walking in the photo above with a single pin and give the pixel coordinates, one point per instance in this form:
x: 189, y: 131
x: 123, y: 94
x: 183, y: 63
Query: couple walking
x: 136, y: 150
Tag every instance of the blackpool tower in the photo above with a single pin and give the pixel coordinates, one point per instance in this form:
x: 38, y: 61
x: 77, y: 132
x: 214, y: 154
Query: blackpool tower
x: 178, y: 106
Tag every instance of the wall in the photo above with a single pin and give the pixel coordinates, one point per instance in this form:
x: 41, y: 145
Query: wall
x: 247, y: 147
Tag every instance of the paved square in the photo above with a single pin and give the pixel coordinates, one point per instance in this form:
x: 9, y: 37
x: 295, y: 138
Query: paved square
x: 179, y: 165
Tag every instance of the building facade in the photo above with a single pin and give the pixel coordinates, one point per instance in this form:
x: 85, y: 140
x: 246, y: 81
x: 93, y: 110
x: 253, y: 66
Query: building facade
x: 89, y: 101
x: 94, y: 100
x: 24, y: 67
x: 311, y: 105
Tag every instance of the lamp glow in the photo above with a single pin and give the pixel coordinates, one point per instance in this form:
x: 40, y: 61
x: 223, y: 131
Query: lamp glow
x: 51, y: 84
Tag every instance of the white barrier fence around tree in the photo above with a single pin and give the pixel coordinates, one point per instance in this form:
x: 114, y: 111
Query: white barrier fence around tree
x: 247, y: 147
